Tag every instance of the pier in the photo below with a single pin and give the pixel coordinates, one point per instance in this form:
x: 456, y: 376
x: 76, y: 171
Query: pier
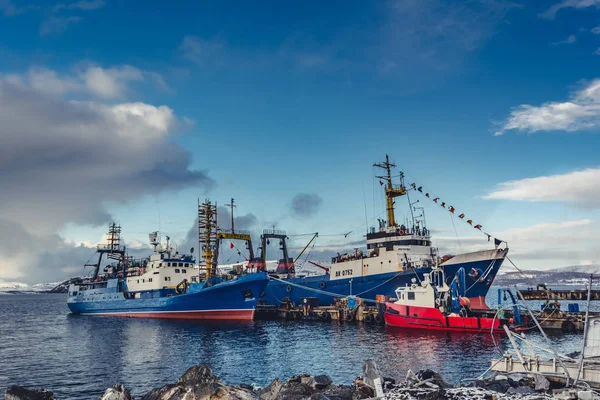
x: 567, y: 294
x: 358, y: 311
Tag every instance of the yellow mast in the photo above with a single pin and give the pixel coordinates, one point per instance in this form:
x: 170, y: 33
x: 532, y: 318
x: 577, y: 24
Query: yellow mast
x: 391, y: 192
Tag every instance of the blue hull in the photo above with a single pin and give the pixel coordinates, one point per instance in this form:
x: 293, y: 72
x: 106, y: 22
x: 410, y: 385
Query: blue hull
x: 368, y: 287
x: 234, y: 299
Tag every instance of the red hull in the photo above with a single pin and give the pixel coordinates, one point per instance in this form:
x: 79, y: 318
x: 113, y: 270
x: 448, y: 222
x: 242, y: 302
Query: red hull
x: 426, y: 318
x: 478, y: 303
x: 231, y: 315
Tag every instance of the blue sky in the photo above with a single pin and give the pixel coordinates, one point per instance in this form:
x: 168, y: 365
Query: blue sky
x: 266, y: 102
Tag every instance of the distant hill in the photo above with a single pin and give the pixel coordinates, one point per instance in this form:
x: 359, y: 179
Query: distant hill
x: 572, y: 275
x: 23, y: 288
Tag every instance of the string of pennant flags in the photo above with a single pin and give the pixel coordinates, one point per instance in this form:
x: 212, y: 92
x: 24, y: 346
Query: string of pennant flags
x: 452, y: 210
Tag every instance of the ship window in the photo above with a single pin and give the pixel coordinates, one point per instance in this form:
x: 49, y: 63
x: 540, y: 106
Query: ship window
x: 181, y: 264
x: 183, y: 271
x: 143, y: 280
x: 138, y: 281
x: 150, y: 280
x: 176, y: 271
x: 168, y: 264
x: 411, y: 295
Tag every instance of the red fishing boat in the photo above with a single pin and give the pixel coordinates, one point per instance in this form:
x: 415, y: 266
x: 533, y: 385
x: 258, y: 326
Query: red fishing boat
x: 433, y: 305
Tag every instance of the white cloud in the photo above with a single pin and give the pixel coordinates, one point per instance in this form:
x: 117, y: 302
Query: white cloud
x: 63, y: 160
x: 581, y: 112
x: 569, y: 40
x: 596, y: 30
x: 201, y: 51
x: 81, y: 5
x: 578, y: 4
x: 540, y: 246
x: 56, y: 26
x: 90, y: 79
x: 581, y: 188
x: 110, y: 82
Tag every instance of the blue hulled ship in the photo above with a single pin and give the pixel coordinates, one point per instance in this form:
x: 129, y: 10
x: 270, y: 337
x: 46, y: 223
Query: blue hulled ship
x: 396, y: 254
x: 168, y: 284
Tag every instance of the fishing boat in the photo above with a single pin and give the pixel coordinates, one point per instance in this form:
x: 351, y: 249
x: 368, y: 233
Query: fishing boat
x: 395, y: 254
x: 433, y: 305
x: 167, y: 284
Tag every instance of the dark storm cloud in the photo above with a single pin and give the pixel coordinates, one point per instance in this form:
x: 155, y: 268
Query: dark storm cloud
x: 61, y: 161
x: 306, y: 204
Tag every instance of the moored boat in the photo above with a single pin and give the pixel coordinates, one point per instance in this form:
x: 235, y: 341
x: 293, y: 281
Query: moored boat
x: 167, y: 284
x: 395, y: 254
x: 433, y: 305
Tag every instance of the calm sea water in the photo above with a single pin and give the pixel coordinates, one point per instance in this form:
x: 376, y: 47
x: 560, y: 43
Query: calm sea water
x: 78, y: 357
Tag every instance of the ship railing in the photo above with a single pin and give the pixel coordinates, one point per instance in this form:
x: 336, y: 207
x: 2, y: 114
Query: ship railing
x: 240, y: 232
x: 273, y: 232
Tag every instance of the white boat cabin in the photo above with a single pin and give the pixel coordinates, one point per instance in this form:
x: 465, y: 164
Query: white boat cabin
x: 392, y: 249
x: 163, y: 270
x: 432, y: 292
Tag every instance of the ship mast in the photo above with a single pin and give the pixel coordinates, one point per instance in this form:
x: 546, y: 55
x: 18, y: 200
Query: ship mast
x: 391, y: 192
x: 112, y: 249
x: 207, y: 235
x: 231, y: 205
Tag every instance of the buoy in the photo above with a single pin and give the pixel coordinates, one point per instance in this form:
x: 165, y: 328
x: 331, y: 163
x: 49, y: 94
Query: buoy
x: 379, y: 319
x: 369, y: 318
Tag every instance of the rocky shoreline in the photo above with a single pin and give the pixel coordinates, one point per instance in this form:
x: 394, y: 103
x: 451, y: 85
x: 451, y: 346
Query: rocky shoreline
x: 199, y: 383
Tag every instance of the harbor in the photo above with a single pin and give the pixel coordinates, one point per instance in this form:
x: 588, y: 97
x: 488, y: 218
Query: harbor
x: 399, y: 282
x: 373, y: 200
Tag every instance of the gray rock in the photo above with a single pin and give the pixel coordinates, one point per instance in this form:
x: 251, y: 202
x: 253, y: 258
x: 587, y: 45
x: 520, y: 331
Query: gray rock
x: 371, y: 372
x: 363, y: 389
x: 116, y: 392
x: 498, y: 386
x: 541, y: 384
x: 341, y: 392
x: 521, y: 390
x: 198, y: 375
x: 21, y: 393
x: 318, y: 396
x: 170, y: 391
x: 272, y: 391
x: 294, y: 389
x: 322, y: 381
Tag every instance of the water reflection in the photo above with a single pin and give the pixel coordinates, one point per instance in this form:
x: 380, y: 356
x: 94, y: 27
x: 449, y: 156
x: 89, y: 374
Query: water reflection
x: 77, y: 357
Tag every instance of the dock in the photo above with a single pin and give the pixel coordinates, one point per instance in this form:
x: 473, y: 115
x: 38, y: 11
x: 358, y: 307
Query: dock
x: 370, y: 314
x: 358, y: 311
x: 561, y: 294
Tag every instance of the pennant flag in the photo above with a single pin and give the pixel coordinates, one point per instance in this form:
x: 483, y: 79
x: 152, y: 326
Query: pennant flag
x: 477, y: 227
x: 461, y: 216
x: 420, y: 189
x: 427, y: 195
x: 413, y: 185
x: 489, y: 236
x: 436, y: 199
x: 443, y: 204
x: 497, y: 242
x: 470, y: 221
x: 451, y: 209
x: 231, y: 245
x: 381, y: 183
